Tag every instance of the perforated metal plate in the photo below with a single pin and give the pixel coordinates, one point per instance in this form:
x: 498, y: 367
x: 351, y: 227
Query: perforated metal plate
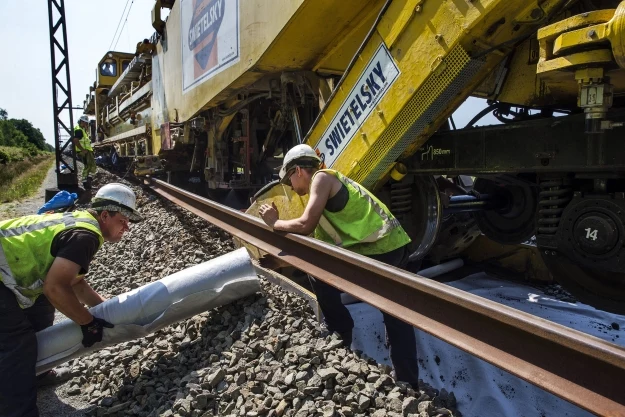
x: 457, y: 70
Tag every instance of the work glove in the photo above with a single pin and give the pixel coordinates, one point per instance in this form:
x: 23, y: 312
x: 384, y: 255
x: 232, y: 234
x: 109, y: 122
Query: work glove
x: 92, y: 332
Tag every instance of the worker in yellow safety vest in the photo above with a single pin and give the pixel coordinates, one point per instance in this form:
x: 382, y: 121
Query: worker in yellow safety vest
x: 82, y: 142
x: 343, y: 213
x: 43, y: 260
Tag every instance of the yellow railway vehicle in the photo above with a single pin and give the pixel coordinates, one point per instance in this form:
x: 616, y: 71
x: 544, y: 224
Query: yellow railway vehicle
x: 225, y: 87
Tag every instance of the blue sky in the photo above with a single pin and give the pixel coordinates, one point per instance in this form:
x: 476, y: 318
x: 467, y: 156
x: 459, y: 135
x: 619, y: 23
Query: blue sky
x: 25, y: 80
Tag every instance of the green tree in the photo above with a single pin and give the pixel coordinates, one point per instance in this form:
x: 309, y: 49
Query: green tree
x: 20, y: 133
x: 11, y: 136
x: 32, y: 134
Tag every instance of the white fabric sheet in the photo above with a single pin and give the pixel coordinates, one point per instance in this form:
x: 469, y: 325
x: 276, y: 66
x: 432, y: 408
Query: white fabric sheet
x: 483, y: 390
x: 149, y: 308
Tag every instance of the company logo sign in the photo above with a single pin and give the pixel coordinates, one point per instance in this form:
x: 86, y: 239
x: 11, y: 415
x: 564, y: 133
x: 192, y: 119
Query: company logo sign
x: 211, y: 43
x: 203, y: 31
x: 372, y: 85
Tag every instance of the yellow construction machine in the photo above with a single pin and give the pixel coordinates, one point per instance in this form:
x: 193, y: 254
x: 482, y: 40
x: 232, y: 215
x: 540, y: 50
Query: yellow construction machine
x: 224, y: 87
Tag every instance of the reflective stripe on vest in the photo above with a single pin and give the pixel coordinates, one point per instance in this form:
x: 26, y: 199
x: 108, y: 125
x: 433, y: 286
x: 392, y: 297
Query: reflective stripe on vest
x: 85, y: 141
x: 327, y: 227
x: 25, y: 250
x: 387, y: 222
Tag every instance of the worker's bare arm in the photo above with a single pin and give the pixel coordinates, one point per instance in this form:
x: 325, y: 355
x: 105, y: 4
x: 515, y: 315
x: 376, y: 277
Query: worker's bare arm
x: 319, y: 193
x: 86, y: 294
x: 59, y: 290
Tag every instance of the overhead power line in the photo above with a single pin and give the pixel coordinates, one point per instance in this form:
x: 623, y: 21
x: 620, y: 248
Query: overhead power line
x: 119, y: 23
x: 124, y: 25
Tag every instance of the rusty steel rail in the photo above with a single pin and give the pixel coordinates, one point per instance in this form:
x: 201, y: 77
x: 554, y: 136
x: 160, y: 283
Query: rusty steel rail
x: 579, y: 368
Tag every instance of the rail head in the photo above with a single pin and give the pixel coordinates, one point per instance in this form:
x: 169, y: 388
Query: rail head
x: 577, y: 367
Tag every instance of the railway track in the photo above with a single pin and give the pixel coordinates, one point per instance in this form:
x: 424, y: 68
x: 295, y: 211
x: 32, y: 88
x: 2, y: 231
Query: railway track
x: 572, y: 365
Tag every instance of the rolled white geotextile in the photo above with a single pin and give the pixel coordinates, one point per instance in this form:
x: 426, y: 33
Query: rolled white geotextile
x: 147, y: 309
x: 436, y: 270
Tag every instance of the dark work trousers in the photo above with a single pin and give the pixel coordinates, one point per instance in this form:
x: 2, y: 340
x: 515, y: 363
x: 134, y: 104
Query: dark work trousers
x: 18, y: 353
x: 401, y: 336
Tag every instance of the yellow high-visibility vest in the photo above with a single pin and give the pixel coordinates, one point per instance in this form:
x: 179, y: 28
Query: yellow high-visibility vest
x: 25, y: 245
x: 365, y: 225
x: 85, y: 141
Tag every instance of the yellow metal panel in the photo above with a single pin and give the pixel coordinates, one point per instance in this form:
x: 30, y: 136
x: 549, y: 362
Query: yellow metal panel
x: 415, y: 60
x: 573, y: 60
x: 436, y: 74
x: 523, y: 87
x: 317, y: 26
x: 616, y: 34
x: 586, y: 36
x: 258, y: 25
x: 286, y: 35
x: 337, y: 56
x: 549, y: 33
x: 402, y: 13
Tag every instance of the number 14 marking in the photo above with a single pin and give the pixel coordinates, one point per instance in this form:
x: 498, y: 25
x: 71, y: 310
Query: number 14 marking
x: 591, y: 234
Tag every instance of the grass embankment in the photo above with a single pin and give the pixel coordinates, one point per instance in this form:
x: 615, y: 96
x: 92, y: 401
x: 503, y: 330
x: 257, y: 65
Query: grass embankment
x: 23, y: 174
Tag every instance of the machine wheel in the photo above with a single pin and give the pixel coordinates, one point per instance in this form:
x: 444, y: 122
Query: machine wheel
x: 426, y: 213
x: 587, y: 253
x: 600, y: 289
x: 457, y: 232
x: 516, y: 222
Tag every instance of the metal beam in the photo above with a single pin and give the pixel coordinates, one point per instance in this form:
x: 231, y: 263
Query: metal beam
x: 579, y: 368
x: 555, y: 144
x: 61, y: 93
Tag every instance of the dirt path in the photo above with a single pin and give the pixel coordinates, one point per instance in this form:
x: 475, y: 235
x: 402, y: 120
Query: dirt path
x: 31, y: 204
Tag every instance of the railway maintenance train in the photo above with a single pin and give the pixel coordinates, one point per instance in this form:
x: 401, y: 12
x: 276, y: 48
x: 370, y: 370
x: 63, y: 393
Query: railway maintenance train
x: 224, y: 88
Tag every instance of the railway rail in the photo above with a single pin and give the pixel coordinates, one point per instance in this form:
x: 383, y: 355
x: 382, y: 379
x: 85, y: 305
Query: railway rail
x: 574, y: 366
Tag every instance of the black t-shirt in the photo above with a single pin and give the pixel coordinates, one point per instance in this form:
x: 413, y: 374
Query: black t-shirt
x: 78, y: 134
x: 76, y: 245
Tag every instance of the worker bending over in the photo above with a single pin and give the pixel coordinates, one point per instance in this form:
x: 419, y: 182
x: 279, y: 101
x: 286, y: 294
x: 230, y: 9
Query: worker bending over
x: 342, y: 212
x: 82, y: 142
x: 43, y: 259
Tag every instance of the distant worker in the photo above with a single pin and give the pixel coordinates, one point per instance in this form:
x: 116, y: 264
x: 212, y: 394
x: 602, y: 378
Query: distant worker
x: 145, y: 47
x: 43, y: 260
x: 82, y: 142
x: 343, y: 213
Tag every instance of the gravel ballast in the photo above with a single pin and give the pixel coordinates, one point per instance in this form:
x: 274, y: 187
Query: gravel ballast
x: 260, y: 356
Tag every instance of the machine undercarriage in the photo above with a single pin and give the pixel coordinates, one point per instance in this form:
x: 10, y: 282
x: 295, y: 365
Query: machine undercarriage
x: 375, y: 101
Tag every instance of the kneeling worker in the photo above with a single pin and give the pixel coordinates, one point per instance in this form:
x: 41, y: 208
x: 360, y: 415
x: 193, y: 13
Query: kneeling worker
x: 342, y: 212
x: 43, y: 259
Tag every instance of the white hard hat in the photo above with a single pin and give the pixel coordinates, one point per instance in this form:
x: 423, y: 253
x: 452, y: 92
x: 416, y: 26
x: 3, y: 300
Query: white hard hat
x: 117, y: 197
x: 84, y: 118
x: 300, y: 155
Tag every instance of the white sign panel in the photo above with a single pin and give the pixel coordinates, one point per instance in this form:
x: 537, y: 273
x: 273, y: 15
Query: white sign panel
x: 380, y: 73
x: 210, y: 39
